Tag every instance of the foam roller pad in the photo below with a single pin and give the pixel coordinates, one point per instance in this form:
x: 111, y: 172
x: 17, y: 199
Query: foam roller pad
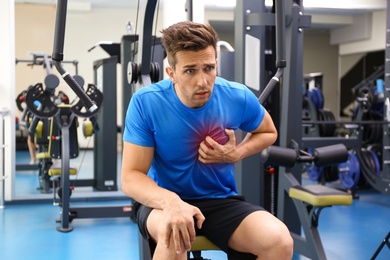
x: 279, y: 156
x: 332, y: 154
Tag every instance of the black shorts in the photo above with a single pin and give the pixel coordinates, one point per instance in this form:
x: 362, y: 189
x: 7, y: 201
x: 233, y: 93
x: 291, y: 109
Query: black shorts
x: 222, y: 218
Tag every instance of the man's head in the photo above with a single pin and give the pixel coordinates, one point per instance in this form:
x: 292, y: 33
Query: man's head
x: 187, y: 36
x: 191, y: 49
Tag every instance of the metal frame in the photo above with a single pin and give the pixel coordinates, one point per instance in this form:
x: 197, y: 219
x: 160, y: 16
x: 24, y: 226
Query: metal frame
x: 64, y: 119
x: 386, y: 128
x: 105, y: 139
x: 250, y: 171
x: 292, y: 212
x: 3, y: 113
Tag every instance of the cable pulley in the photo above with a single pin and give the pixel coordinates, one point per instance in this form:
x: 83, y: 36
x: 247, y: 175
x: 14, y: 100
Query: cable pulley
x: 134, y: 72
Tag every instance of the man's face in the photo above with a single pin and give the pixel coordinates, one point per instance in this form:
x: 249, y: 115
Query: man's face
x: 194, y: 76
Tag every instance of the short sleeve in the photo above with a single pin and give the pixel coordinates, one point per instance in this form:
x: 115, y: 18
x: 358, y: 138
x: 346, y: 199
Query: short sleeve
x: 137, y: 130
x: 253, y: 113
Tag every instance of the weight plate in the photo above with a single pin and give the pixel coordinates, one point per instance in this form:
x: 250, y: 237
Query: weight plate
x: 46, y: 108
x: 349, y: 171
x: 377, y: 167
x: 314, y: 172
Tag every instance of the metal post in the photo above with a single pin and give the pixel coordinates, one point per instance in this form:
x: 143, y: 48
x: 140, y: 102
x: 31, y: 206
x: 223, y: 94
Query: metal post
x: 3, y: 112
x: 105, y: 140
x: 64, y: 119
x: 386, y: 127
x: 291, y: 115
x: 250, y: 171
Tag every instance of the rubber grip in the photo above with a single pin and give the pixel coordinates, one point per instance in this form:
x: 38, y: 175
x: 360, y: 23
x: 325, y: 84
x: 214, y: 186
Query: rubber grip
x: 268, y: 89
x: 80, y: 93
x: 33, y: 126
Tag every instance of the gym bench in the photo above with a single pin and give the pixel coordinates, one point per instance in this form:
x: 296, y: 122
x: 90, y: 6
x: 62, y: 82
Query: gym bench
x: 309, y: 200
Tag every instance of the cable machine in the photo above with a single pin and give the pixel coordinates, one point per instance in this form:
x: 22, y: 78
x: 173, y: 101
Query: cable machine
x: 298, y: 206
x: 90, y: 101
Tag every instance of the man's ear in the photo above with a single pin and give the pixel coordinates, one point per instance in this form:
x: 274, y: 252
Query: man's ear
x: 170, y: 73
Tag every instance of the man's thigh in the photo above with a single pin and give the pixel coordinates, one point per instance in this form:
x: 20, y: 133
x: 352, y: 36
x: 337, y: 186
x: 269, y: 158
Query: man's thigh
x: 223, y: 216
x: 257, y: 232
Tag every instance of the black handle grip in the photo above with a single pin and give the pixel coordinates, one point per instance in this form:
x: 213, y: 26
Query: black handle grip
x: 80, y: 92
x: 33, y: 126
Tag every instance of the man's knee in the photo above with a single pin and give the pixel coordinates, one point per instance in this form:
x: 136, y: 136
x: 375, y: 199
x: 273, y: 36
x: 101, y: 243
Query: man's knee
x: 282, y: 244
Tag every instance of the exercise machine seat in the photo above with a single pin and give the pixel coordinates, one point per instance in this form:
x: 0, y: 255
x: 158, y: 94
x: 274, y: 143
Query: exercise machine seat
x: 57, y: 171
x: 43, y: 155
x: 202, y: 243
x: 309, y: 201
x: 320, y: 195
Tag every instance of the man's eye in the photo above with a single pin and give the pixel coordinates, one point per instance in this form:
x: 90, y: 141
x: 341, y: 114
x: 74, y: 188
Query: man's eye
x: 189, y: 71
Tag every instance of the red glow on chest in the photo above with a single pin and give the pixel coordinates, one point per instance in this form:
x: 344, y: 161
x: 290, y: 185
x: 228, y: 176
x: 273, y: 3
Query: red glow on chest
x: 218, y: 135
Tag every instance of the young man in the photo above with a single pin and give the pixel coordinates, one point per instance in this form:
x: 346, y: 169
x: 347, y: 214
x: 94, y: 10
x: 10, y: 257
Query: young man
x: 179, y: 154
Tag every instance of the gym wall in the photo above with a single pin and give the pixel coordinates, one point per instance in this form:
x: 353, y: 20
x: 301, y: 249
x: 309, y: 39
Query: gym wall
x: 320, y: 56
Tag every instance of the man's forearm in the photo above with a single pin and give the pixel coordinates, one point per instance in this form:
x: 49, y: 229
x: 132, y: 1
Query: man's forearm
x: 143, y: 189
x: 254, y: 143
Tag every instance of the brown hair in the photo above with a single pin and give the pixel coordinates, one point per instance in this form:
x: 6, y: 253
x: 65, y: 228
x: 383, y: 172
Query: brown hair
x: 187, y: 36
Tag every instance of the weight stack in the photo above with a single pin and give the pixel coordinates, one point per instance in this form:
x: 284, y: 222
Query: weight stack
x: 271, y: 189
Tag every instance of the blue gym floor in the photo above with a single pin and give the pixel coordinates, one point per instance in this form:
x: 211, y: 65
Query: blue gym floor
x: 28, y: 229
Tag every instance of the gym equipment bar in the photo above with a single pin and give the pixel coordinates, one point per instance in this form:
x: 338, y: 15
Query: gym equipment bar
x: 57, y: 56
x: 37, y: 60
x: 288, y: 157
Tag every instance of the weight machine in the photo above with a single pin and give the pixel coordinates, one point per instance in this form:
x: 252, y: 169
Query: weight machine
x: 383, y: 183
x: 296, y: 203
x: 64, y: 116
x: 51, y: 82
x: 38, y: 126
x: 309, y: 201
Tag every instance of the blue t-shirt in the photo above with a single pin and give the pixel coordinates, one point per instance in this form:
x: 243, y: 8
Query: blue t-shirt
x: 157, y: 118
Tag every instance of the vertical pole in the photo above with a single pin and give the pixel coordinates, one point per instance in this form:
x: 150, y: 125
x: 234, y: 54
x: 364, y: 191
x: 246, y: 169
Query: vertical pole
x: 250, y: 171
x: 64, y: 120
x: 291, y: 114
x: 386, y: 127
x: 105, y: 140
x: 7, y: 90
x: 2, y: 147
